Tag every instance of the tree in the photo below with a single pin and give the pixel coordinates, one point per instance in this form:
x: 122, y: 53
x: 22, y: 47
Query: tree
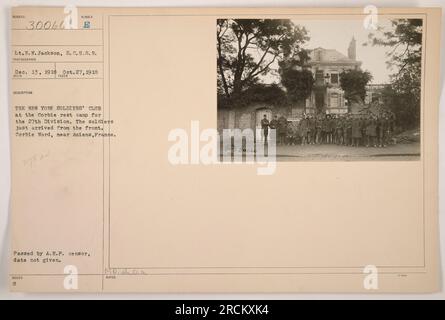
x: 297, y: 80
x: 354, y: 82
x: 247, y: 48
x: 407, y: 113
x: 405, y: 58
x: 260, y: 93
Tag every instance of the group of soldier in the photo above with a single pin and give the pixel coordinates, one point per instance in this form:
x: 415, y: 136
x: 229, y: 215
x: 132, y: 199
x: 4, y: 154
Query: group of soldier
x: 368, y: 130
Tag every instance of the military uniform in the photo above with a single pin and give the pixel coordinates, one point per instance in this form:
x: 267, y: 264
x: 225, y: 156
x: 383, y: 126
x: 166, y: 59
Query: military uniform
x: 312, y: 130
x: 371, y: 132
x: 318, y: 132
x: 356, y: 131
x: 383, y: 131
x: 282, y: 129
x: 273, y: 124
x: 292, y: 133
x: 303, y: 129
x: 265, y: 127
x: 324, y: 129
x: 346, y: 130
x: 339, y: 130
x: 331, y: 129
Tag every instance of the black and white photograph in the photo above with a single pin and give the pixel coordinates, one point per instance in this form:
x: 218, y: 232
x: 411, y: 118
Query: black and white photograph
x: 333, y: 89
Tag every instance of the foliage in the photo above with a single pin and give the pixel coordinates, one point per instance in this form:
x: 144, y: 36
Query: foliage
x: 248, y: 48
x: 258, y: 93
x: 295, y: 78
x: 354, y: 82
x: 404, y: 57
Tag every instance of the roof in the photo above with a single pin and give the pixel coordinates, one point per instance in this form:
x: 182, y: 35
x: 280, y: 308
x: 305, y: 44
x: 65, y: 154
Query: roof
x: 329, y: 56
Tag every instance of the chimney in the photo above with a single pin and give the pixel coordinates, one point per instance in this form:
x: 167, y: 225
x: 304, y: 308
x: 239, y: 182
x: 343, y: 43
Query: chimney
x: 352, y: 49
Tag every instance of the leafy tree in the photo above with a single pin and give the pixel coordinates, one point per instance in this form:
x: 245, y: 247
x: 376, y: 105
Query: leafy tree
x: 247, y: 48
x: 260, y: 93
x: 404, y: 41
x: 257, y: 93
x: 406, y: 117
x: 297, y: 80
x: 354, y: 82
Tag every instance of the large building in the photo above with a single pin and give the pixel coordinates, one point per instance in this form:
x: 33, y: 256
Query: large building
x: 326, y: 66
x: 326, y: 96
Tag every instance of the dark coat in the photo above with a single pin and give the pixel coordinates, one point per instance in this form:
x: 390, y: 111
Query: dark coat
x: 371, y: 128
x: 265, y: 124
x: 282, y: 125
x: 273, y: 124
x: 356, y: 128
x: 303, y: 127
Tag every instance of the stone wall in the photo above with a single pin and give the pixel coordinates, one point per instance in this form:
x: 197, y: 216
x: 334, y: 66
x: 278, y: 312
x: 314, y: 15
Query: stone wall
x: 250, y: 116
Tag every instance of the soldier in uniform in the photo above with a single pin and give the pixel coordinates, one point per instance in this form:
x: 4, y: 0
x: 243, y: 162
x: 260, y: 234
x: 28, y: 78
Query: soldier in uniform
x: 265, y: 127
x: 363, y: 126
x: 383, y: 130
x: 371, y: 132
x: 324, y: 128
x: 303, y: 129
x: 331, y: 129
x: 318, y: 124
x: 282, y: 129
x: 377, y: 130
x: 292, y: 133
x: 327, y: 129
x: 356, y: 131
x: 391, y: 126
x: 273, y: 124
x: 339, y: 130
x: 312, y: 130
x: 346, y: 128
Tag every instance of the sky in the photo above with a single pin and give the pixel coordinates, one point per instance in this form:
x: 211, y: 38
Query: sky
x: 337, y: 34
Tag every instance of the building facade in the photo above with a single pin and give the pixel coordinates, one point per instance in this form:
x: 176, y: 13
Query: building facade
x: 326, y: 66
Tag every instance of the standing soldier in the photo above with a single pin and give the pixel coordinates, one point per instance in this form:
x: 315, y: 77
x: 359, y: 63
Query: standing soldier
x: 292, y: 133
x: 377, y: 130
x: 363, y: 127
x: 339, y: 130
x: 312, y: 129
x: 383, y: 130
x: 308, y: 135
x: 356, y: 131
x: 328, y: 129
x: 391, y: 126
x: 274, y: 123
x: 303, y: 130
x: 324, y: 129
x: 371, y: 132
x: 318, y: 123
x: 332, y: 125
x: 265, y: 127
x: 346, y: 128
x: 333, y: 128
x: 282, y: 129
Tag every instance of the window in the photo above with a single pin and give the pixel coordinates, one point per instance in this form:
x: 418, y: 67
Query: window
x: 334, y: 78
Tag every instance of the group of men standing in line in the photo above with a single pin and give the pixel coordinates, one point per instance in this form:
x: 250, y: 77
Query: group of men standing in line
x: 351, y: 130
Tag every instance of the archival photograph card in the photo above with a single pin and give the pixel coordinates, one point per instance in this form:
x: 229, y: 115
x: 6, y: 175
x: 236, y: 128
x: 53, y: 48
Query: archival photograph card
x: 224, y: 150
